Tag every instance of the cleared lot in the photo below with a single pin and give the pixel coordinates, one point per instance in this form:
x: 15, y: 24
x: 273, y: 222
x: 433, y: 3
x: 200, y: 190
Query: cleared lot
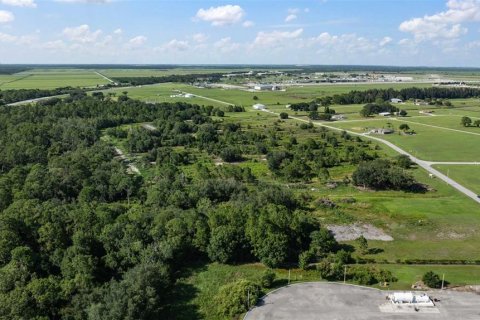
x: 337, y: 301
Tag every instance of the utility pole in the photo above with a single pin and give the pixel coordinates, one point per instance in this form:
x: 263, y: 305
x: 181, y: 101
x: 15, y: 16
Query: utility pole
x: 248, y: 299
x: 443, y: 280
x: 288, y: 276
x: 345, y: 274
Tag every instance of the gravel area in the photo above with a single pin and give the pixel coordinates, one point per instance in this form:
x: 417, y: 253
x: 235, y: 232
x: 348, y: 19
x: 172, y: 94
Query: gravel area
x: 354, y: 231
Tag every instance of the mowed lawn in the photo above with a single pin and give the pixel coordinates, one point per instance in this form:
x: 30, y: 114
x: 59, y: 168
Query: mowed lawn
x: 446, y: 121
x: 466, y: 175
x: 52, y: 79
x: 432, y: 144
x: 454, y: 275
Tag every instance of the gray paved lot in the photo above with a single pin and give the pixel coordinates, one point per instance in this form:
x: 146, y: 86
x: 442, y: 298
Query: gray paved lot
x: 337, y: 301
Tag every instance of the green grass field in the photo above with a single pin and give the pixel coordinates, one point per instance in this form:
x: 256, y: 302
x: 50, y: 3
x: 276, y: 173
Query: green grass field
x: 429, y: 143
x: 51, y: 79
x: 466, y: 175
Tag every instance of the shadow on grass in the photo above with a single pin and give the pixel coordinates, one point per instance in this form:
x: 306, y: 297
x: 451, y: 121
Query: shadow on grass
x: 180, y: 306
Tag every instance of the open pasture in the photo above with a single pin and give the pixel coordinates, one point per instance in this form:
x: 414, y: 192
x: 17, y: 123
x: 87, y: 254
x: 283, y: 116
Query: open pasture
x: 163, y: 92
x: 429, y: 143
x: 444, y: 121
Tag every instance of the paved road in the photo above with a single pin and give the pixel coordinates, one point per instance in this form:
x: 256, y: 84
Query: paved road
x: 18, y: 103
x: 104, y: 77
x: 149, y: 127
x: 206, y: 98
x: 437, y: 127
x: 330, y: 301
x: 427, y: 165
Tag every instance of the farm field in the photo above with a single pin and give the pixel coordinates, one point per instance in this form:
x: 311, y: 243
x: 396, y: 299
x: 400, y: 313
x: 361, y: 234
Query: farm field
x: 467, y: 175
x: 51, y: 79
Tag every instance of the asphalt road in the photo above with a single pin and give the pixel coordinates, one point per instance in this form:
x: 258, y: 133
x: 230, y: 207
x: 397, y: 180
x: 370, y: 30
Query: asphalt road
x: 330, y: 301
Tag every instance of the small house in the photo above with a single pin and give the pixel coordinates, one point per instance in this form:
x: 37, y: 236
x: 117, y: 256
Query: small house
x: 259, y: 106
x: 382, y: 131
x: 395, y: 100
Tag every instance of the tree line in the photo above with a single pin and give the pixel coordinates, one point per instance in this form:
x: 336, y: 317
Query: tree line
x: 187, y: 78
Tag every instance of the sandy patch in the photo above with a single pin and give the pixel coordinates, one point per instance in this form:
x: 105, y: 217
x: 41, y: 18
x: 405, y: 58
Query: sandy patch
x: 354, y: 231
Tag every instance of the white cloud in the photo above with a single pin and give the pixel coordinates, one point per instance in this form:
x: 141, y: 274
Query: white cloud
x: 248, y: 24
x: 118, y: 31
x: 290, y: 17
x: 446, y: 24
x: 19, y: 3
x: 174, y: 45
x: 199, y: 37
x: 4, y: 37
x: 275, y: 38
x: 81, y: 34
x: 6, y: 16
x: 385, y: 41
x: 226, y: 45
x: 293, y: 11
x: 137, y: 42
x: 222, y: 15
x: 345, y: 43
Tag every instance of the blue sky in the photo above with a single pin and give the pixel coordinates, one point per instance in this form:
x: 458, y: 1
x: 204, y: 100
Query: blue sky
x: 380, y: 32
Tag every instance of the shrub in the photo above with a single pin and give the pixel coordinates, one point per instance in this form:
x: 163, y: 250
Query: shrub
x: 305, y: 259
x: 283, y: 115
x: 231, y: 299
x: 267, y: 279
x: 432, y: 280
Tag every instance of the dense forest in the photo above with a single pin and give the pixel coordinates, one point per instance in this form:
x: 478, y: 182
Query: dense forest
x: 82, y: 238
x: 370, y: 96
x: 11, y: 96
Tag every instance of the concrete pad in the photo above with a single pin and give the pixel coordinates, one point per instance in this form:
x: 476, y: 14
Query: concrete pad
x: 331, y: 301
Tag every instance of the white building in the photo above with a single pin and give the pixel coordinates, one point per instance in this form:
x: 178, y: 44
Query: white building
x: 259, y: 106
x: 266, y: 87
x: 395, y: 100
x: 263, y: 87
x: 337, y: 117
x: 411, y: 298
